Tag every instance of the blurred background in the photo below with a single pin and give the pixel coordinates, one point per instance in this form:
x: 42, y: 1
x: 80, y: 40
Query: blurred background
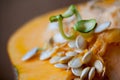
x: 13, y: 14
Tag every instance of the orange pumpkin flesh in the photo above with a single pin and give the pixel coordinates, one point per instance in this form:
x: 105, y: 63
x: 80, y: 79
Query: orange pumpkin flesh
x: 26, y: 38
x: 33, y: 35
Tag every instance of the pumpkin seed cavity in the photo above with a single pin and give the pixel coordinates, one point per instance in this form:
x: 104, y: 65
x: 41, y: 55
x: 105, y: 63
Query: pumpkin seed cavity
x: 65, y: 52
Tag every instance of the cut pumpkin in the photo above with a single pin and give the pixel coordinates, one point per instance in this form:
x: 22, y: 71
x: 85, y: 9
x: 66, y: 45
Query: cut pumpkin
x: 33, y: 35
x: 26, y: 38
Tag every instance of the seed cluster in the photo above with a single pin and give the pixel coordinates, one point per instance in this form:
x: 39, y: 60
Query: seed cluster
x: 74, y: 53
x: 74, y: 56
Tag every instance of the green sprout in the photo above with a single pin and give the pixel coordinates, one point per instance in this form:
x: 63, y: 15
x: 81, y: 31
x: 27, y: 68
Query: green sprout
x: 83, y: 26
x: 59, y: 18
x: 72, y: 11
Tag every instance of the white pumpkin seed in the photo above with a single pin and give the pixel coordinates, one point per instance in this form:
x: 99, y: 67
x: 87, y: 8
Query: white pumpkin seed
x: 91, y: 73
x: 99, y: 66
x: 53, y: 26
x: 30, y: 54
x: 75, y: 62
x: 55, y: 59
x: 77, y: 79
x: 45, y: 54
x: 48, y: 53
x: 87, y: 57
x: 72, y: 44
x: 57, y: 38
x: 76, y: 71
x: 71, y: 53
x: 102, y: 27
x: 65, y: 59
x: 84, y: 73
x: 80, y: 42
x: 62, y: 66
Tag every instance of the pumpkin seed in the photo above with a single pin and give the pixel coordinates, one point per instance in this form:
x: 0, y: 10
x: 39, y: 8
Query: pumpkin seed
x: 75, y: 62
x: 87, y: 57
x: 84, y: 73
x: 76, y: 71
x: 62, y: 66
x: 91, y: 73
x: 80, y: 42
x: 102, y: 27
x: 53, y: 26
x: 71, y: 53
x: 72, y: 44
x: 30, y: 54
x: 48, y: 53
x: 55, y: 59
x: 65, y: 59
x: 99, y: 66
x: 58, y: 38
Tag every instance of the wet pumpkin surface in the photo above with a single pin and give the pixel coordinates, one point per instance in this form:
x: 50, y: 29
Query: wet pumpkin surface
x: 33, y: 34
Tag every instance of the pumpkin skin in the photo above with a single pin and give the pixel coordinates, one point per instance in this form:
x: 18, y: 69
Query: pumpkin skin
x: 33, y: 34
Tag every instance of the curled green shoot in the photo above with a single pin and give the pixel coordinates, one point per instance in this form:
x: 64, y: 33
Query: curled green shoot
x: 85, y: 26
x: 69, y: 12
x: 62, y: 31
x: 55, y: 18
x: 82, y: 26
x: 72, y: 11
x: 59, y: 18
